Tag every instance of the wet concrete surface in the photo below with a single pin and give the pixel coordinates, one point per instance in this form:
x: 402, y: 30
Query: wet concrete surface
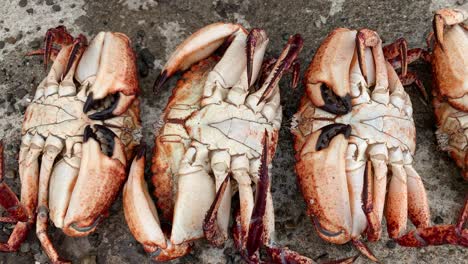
x: 156, y: 27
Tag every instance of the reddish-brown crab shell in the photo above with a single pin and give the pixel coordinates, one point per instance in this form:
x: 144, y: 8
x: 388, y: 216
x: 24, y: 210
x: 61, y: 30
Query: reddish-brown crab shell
x: 82, y: 124
x: 354, y: 126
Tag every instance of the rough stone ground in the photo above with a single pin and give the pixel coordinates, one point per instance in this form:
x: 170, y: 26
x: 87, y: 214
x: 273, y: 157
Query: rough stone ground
x: 156, y: 27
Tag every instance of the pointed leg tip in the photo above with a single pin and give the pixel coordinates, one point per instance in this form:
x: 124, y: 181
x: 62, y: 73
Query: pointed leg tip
x: 160, y: 81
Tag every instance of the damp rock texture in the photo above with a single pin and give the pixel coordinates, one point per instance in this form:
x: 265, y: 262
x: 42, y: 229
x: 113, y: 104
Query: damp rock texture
x: 156, y: 27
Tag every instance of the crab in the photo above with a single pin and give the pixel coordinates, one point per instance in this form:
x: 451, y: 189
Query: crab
x: 450, y: 75
x: 353, y: 128
x: 77, y: 132
x: 219, y: 136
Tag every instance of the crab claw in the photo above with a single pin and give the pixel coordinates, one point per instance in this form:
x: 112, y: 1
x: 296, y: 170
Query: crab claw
x: 142, y: 217
x: 327, y: 78
x: 108, y: 69
x: 101, y: 175
x: 323, y: 182
x: 446, y: 17
x: 198, y: 46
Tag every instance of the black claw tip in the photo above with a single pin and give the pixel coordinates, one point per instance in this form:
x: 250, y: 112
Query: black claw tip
x: 109, y: 137
x: 88, y: 133
x: 334, y: 103
x: 106, y: 113
x: 89, y: 103
x: 160, y: 81
x: 329, y: 132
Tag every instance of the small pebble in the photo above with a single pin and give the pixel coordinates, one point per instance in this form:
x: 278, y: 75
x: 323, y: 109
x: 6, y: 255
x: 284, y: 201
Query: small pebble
x: 25, y: 247
x: 23, y: 3
x: 147, y: 57
x: 2, y: 44
x: 35, y: 247
x: 88, y: 260
x: 56, y: 8
x: 30, y: 10
x: 11, y: 40
x: 438, y: 220
x: 41, y: 258
x: 72, y: 6
x: 391, y: 244
x: 49, y: 2
x: 10, y: 109
x: 35, y: 44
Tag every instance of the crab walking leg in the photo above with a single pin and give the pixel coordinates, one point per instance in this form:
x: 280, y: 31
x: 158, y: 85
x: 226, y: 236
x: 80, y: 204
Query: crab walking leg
x: 374, y: 227
x: 227, y: 71
x: 61, y: 185
x: 370, y: 39
x: 53, y: 146
x: 240, y: 172
x: 198, y: 46
x: 142, y: 217
x: 439, y: 234
x: 355, y: 175
x: 378, y: 156
x: 57, y: 71
x: 257, y: 221
x: 355, y: 167
x: 211, y: 228
x: 8, y: 199
x: 195, y: 187
x: 398, y: 97
x: 396, y: 209
x: 217, y: 231
x: 284, y: 62
x: 271, y: 107
x: 418, y: 207
x: 240, y: 90
x: 29, y: 173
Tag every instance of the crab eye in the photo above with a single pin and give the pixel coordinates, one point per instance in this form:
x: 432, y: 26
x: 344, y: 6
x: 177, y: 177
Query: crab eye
x: 329, y: 132
x: 334, y: 103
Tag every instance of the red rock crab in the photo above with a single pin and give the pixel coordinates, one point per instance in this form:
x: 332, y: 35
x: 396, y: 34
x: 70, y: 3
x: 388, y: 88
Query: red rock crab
x: 354, y: 127
x: 77, y: 134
